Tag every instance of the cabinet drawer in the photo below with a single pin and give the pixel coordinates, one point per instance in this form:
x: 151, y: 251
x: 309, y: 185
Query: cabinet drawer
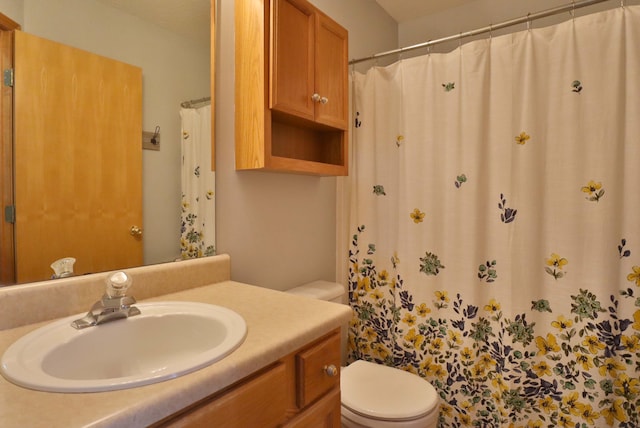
x: 313, y: 378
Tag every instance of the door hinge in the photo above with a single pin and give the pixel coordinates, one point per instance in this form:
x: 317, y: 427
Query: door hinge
x: 10, y: 213
x: 8, y: 77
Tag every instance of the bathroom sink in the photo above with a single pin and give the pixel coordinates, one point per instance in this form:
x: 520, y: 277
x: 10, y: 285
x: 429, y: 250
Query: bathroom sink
x: 167, y: 340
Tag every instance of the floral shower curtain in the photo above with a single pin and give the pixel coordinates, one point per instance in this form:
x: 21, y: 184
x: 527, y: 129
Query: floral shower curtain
x: 198, y: 185
x: 496, y: 237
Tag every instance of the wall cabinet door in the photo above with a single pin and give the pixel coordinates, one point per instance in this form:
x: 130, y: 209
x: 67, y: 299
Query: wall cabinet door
x: 292, y: 59
x: 308, y: 64
x: 331, y: 67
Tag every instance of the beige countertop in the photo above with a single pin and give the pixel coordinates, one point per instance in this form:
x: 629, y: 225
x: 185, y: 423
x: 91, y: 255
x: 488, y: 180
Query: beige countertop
x: 278, y: 324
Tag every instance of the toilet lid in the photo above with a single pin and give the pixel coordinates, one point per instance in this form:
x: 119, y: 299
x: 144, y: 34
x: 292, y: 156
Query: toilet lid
x: 384, y: 392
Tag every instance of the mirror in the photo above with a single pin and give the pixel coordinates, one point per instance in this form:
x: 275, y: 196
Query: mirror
x: 170, y: 42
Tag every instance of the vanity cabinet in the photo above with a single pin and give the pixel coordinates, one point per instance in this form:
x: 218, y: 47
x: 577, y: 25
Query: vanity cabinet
x: 299, y: 390
x: 291, y: 88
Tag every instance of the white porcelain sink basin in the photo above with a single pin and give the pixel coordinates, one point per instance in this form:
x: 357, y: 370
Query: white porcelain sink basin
x: 167, y: 340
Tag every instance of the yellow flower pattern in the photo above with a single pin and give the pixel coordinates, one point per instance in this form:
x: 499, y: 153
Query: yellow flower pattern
x: 522, y: 138
x: 562, y: 323
x: 578, y: 368
x: 492, y: 306
x: 635, y: 275
x: 417, y: 216
x: 555, y: 266
x: 593, y: 190
x: 547, y: 345
x: 515, y: 370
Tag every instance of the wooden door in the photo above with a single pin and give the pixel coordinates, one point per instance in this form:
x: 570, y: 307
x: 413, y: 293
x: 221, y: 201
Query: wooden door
x: 78, y: 159
x: 292, y: 56
x: 7, y: 253
x: 331, y: 82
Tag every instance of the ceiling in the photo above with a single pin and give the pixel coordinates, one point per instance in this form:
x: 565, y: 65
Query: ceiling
x: 405, y: 10
x: 188, y: 18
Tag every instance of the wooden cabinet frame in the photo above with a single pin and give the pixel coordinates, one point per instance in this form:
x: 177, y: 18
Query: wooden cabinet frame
x: 285, y: 138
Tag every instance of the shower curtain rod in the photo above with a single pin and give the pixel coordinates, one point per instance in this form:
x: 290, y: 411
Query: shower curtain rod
x: 525, y: 19
x: 192, y: 103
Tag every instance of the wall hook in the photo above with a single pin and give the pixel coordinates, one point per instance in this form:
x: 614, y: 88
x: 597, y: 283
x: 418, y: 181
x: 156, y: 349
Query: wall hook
x: 151, y: 140
x: 156, y: 134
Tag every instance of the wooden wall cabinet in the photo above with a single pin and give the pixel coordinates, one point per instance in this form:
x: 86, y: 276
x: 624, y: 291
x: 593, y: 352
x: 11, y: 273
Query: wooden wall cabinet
x: 295, y: 392
x: 308, y: 64
x: 291, y: 88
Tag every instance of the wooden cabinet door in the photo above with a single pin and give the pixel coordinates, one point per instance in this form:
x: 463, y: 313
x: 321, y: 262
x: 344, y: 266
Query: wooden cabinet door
x: 78, y: 159
x: 292, y: 58
x: 309, y: 64
x: 260, y: 402
x: 323, y: 414
x: 331, y: 65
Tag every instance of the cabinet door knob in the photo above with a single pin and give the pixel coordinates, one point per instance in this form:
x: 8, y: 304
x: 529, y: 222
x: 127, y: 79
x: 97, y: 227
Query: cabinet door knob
x: 318, y: 99
x: 331, y: 370
x: 135, y: 231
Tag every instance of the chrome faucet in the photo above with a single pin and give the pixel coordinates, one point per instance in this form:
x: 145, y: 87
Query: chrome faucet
x: 115, y: 304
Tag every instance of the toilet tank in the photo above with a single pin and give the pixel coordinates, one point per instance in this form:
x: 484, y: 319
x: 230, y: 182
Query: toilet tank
x: 321, y: 290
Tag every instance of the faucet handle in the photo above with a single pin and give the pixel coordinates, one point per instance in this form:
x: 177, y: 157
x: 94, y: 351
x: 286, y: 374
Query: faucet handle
x: 117, y: 284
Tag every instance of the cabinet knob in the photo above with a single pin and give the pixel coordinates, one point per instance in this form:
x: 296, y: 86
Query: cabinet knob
x: 318, y: 99
x: 331, y: 370
x: 135, y: 231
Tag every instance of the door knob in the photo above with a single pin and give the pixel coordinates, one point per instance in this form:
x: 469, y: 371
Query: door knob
x: 135, y: 231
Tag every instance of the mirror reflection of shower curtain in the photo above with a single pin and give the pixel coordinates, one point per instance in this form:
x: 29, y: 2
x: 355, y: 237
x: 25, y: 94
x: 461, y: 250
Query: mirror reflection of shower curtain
x: 197, y: 231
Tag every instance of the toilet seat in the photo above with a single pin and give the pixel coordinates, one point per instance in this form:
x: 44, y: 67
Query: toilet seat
x: 384, y: 393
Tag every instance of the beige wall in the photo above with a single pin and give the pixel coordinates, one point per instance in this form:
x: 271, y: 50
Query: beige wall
x: 174, y: 69
x: 13, y: 9
x: 280, y: 229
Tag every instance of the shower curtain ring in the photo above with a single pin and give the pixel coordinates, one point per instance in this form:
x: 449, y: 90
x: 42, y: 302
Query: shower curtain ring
x: 490, y: 31
x: 529, y: 21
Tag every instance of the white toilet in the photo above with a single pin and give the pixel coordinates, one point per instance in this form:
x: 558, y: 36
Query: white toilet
x: 374, y: 395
